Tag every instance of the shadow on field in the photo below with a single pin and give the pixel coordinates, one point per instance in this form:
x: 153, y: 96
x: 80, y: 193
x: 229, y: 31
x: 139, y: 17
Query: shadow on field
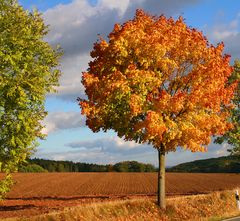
x: 103, y: 197
x: 81, y: 197
x: 58, y: 198
x: 17, y: 207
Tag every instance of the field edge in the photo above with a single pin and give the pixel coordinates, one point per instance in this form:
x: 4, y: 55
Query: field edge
x: 205, y: 207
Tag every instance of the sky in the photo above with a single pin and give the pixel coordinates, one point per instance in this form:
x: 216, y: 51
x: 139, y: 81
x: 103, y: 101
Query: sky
x: 75, y: 26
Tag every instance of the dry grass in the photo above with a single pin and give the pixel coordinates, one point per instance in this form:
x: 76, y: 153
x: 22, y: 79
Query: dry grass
x: 214, y: 206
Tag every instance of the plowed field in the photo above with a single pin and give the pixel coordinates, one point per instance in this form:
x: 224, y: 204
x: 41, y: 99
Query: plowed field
x: 36, y: 193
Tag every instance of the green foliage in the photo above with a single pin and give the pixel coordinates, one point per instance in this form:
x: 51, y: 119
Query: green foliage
x: 28, y: 71
x: 229, y: 164
x: 69, y: 166
x: 5, y: 185
x: 232, y: 137
x: 32, y: 168
x: 133, y: 166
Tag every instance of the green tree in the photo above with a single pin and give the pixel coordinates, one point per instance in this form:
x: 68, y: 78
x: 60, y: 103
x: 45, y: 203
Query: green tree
x: 232, y: 136
x: 121, y: 166
x: 31, y: 168
x: 28, y: 71
x: 134, y: 166
x: 60, y: 167
x: 149, y: 168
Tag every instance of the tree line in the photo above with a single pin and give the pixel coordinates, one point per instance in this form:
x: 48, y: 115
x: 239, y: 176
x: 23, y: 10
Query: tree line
x: 42, y: 165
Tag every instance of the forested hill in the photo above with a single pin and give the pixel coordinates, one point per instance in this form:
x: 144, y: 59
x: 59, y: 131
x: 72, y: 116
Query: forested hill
x: 42, y: 165
x: 228, y: 164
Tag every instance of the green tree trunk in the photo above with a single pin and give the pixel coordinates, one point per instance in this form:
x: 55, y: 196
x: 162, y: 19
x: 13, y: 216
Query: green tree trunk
x: 161, y: 180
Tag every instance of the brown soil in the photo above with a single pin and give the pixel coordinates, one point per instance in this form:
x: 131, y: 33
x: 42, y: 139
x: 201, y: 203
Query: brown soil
x: 38, y: 193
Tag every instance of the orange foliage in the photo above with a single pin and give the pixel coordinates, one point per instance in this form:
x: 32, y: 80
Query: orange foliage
x: 158, y: 81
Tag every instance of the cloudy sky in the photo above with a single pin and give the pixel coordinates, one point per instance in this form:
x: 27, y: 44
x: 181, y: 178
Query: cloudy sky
x: 75, y: 24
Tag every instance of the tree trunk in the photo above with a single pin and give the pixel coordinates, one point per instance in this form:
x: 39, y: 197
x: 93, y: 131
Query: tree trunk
x: 161, y: 179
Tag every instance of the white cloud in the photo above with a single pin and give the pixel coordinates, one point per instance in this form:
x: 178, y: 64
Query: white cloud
x: 222, y: 30
x: 102, y: 151
x: 81, y: 155
x: 228, y: 33
x: 110, y: 145
x: 113, y: 153
x: 56, y: 121
x: 75, y: 27
x: 222, y: 151
x: 113, y: 149
x: 222, y: 35
x: 70, y: 83
x: 120, y: 6
x: 96, y: 153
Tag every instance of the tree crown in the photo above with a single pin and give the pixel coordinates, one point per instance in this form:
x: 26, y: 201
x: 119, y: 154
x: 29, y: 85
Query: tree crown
x: 28, y: 71
x: 158, y: 81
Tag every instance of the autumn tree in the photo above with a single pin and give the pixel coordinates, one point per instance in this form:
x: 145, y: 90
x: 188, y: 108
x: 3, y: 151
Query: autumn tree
x: 160, y: 82
x: 27, y: 73
x: 232, y: 136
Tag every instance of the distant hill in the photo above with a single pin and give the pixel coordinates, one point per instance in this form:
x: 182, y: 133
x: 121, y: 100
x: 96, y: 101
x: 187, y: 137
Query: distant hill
x: 227, y: 164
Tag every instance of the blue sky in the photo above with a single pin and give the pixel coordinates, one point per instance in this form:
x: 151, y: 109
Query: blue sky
x: 75, y: 25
